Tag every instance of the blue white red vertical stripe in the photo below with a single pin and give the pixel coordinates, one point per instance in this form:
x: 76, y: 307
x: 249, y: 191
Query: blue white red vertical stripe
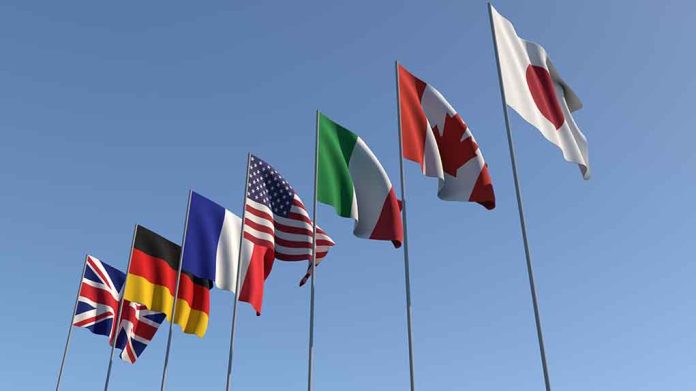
x: 211, y: 251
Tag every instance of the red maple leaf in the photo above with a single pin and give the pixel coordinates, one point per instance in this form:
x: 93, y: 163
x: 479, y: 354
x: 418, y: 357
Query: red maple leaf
x: 454, y: 152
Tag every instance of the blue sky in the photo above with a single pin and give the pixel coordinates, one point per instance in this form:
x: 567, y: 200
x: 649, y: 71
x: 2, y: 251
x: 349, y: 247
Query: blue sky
x: 110, y: 113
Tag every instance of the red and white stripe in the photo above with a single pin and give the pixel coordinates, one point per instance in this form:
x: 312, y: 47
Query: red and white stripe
x: 289, y: 237
x: 88, y: 318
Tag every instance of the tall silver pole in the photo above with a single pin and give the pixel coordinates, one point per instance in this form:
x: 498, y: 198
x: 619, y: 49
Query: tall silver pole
x: 236, y: 284
x: 310, y: 359
x: 523, y: 225
x: 72, y: 317
x: 115, y: 326
x: 176, y: 296
x: 407, y: 272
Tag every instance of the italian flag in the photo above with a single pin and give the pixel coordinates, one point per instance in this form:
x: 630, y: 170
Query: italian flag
x: 352, y: 180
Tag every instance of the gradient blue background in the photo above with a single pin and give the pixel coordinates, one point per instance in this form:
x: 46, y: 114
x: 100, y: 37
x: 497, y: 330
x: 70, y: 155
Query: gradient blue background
x: 109, y: 113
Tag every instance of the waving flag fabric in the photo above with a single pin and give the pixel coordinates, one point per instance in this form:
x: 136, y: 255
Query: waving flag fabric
x: 277, y: 220
x: 352, y: 180
x: 212, y: 248
x: 536, y: 91
x: 138, y: 327
x: 435, y: 136
x: 152, y: 282
x: 98, y: 307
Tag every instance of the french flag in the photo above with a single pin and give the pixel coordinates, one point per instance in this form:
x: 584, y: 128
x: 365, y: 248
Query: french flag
x: 211, y: 251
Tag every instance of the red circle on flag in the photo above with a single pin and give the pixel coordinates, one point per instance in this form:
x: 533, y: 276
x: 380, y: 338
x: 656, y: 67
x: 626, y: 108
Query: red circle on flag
x: 544, y: 94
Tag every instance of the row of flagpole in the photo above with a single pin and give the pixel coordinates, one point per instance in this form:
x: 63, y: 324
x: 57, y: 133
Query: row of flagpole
x: 407, y: 274
x: 409, y: 317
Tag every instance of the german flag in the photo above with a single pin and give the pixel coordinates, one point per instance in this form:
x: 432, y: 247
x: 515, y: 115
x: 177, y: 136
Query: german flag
x: 151, y: 281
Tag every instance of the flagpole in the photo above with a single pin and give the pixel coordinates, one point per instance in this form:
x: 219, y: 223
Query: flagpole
x: 176, y: 295
x: 236, y: 284
x: 523, y: 225
x: 310, y: 359
x: 115, y: 326
x: 407, y: 272
x: 72, y: 318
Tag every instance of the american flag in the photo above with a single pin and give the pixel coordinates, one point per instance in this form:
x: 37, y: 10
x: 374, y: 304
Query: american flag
x: 276, y: 217
x: 97, y: 307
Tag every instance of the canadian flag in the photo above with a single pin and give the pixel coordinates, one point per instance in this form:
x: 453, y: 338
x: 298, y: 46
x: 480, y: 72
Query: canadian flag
x: 437, y: 138
x: 536, y: 91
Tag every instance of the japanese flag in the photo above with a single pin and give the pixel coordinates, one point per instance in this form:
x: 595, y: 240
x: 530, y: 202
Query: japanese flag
x: 536, y: 91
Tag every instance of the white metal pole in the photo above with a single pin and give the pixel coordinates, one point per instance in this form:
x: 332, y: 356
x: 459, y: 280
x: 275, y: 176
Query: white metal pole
x: 520, y: 209
x: 310, y: 363
x: 115, y: 326
x: 72, y: 317
x: 228, y: 386
x: 407, y: 272
x: 176, y: 295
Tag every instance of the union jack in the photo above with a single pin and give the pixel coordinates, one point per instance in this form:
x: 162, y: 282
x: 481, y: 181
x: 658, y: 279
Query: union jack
x: 138, y: 327
x: 98, y: 306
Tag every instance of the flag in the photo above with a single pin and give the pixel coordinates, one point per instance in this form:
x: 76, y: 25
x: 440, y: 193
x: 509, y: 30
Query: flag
x: 97, y: 307
x: 535, y: 90
x: 352, y: 180
x: 435, y: 136
x: 97, y: 303
x: 212, y: 247
x: 151, y: 280
x: 137, y: 328
x: 277, y: 220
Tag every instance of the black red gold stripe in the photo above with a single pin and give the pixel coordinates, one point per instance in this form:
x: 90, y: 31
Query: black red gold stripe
x: 151, y: 281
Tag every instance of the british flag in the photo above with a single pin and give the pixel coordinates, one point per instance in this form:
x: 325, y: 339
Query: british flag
x: 97, y: 308
x: 138, y: 327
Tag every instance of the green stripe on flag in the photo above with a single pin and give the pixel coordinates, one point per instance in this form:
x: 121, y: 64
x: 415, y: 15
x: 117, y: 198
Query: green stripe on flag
x: 335, y: 185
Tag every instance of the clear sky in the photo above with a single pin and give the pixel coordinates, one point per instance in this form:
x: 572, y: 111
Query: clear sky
x: 110, y: 113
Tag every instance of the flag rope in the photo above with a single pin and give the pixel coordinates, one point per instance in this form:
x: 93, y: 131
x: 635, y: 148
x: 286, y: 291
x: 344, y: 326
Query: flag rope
x: 523, y: 225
